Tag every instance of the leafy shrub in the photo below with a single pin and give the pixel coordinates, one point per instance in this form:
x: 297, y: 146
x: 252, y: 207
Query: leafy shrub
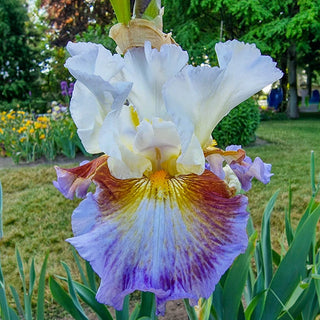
x: 239, y: 126
x: 34, y: 104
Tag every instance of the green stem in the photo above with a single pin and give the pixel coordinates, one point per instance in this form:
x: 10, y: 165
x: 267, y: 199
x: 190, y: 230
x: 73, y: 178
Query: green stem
x: 122, y: 10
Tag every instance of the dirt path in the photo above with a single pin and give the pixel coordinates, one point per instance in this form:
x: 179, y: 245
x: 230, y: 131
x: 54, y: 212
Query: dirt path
x: 6, y: 162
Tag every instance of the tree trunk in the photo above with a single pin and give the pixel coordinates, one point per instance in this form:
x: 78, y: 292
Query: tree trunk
x: 292, y: 110
x: 284, y: 83
x: 309, y: 80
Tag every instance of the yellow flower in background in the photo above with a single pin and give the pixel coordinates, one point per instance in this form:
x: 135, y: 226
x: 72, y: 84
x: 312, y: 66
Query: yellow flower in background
x: 1, y: 131
x: 3, y: 118
x: 42, y: 136
x: 10, y: 116
x: 13, y: 129
x: 28, y: 122
x: 31, y: 130
x: 38, y: 125
x: 43, y: 119
x: 22, y: 129
x: 23, y: 139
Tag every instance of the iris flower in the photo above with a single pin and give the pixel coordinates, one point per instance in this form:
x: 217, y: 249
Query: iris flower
x: 166, y: 215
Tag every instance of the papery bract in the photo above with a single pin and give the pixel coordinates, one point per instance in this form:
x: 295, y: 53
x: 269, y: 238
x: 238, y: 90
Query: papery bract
x: 162, y: 218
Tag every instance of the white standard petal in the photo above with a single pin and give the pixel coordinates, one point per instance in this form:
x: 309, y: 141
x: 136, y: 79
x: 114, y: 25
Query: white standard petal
x: 116, y: 139
x: 149, y: 69
x: 246, y: 72
x: 202, y: 96
x: 94, y: 95
x: 93, y: 59
x: 90, y: 107
x: 185, y: 97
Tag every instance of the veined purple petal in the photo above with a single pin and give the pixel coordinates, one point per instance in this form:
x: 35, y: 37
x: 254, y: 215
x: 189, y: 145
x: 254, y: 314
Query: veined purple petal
x: 64, y: 183
x: 247, y: 169
x: 76, y: 181
x: 173, y: 236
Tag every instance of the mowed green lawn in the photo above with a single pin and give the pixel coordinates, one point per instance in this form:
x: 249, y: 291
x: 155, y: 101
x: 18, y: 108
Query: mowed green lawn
x: 288, y: 149
x: 37, y: 217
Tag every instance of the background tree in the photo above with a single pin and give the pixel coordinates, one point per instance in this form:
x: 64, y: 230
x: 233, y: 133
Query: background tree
x: 68, y: 18
x: 19, y: 58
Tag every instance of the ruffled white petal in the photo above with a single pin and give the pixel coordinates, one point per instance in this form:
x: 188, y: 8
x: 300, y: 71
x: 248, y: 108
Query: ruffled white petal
x: 186, y: 97
x: 94, y: 96
x: 94, y: 59
x: 202, y: 96
x: 149, y: 69
x: 177, y: 106
x: 139, y: 148
x: 246, y: 72
x: 90, y: 105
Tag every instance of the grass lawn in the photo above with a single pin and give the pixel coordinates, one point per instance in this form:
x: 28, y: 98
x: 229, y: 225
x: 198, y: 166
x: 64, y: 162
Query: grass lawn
x: 37, y: 217
x: 288, y: 150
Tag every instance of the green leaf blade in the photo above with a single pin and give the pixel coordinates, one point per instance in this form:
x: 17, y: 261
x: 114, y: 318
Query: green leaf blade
x: 4, y: 307
x: 88, y: 296
x: 236, y: 280
x: 266, y: 240
x: 41, y: 290
x: 1, y: 209
x: 124, y: 313
x: 284, y: 282
x: 72, y: 290
x: 61, y: 296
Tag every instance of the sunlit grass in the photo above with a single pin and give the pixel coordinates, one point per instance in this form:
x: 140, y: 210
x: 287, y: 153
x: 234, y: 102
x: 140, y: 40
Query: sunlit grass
x: 288, y: 150
x: 37, y: 217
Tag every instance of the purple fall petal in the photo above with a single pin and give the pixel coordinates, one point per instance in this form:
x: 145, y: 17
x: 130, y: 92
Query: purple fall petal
x: 66, y: 184
x: 174, y: 237
x: 247, y: 170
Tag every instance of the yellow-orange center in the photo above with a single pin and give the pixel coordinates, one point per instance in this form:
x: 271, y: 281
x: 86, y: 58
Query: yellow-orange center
x: 159, y: 179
